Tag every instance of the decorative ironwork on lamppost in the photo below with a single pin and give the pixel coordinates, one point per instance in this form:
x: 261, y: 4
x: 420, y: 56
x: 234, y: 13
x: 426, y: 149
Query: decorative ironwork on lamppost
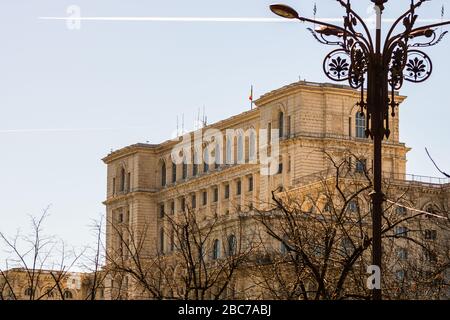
x: 380, y: 67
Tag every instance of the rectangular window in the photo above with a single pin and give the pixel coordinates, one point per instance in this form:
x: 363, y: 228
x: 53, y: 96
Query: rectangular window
x: 353, y: 206
x: 281, y: 125
x: 402, y: 254
x: 161, y: 241
x: 227, y: 191
x: 194, y: 169
x: 430, y: 256
x: 361, y: 166
x: 401, y: 211
x: 430, y: 234
x: 205, y: 198
x: 280, y: 167
x: 174, y: 173
x: 161, y: 211
x: 114, y: 186
x: 194, y: 201
x: 216, y: 194
x: 350, y: 126
x: 129, y: 182
x: 172, y: 240
x: 185, y: 169
x: 250, y: 183
x: 172, y: 207
x: 238, y: 187
x: 360, y: 125
x: 120, y: 218
x: 400, y: 275
x: 401, y: 231
x: 269, y: 133
x: 288, y: 128
x: 183, y: 204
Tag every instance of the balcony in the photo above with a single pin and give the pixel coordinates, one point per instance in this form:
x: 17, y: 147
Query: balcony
x: 403, y: 178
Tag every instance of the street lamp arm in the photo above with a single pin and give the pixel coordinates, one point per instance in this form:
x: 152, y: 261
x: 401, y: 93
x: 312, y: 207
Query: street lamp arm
x: 358, y: 17
x: 325, y: 24
x: 320, y: 37
x: 344, y: 33
x: 424, y: 31
x: 436, y: 25
x: 400, y: 19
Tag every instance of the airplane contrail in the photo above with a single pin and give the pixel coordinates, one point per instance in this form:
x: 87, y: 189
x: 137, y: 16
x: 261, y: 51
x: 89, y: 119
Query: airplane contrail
x: 210, y: 19
x: 65, y: 130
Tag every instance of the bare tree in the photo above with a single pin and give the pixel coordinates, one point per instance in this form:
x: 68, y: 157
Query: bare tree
x: 323, y: 233
x: 33, y: 256
x: 195, y: 258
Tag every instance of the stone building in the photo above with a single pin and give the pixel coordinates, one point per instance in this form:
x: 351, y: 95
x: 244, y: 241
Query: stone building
x: 295, y: 127
x: 26, y: 284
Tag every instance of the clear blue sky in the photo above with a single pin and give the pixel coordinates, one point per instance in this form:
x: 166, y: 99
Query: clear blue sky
x: 131, y: 80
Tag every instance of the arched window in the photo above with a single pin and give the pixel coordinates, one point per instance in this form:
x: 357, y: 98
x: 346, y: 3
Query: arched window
x: 216, y: 250
x: 174, y: 172
x: 360, y: 125
x: 68, y: 295
x: 229, y: 151
x: 232, y: 244
x: 50, y: 293
x: 281, y: 124
x: 161, y: 240
x: 283, y: 248
x: 122, y: 179
x: 28, y: 292
x: 240, y: 148
x: 347, y: 246
x: 206, y: 160
x: 163, y: 174
x: 217, y: 156
x: 185, y: 168
x: 195, y: 164
x: 431, y: 208
x: 252, y: 145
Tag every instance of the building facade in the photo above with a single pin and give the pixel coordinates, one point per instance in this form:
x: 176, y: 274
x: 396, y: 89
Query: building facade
x: 296, y: 128
x: 26, y: 284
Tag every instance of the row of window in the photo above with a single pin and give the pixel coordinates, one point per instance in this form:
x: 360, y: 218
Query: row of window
x: 428, y: 234
x: 124, y: 182
x: 216, y: 252
x: 184, y: 172
x: 429, y: 256
x: 204, y: 197
x: 50, y: 293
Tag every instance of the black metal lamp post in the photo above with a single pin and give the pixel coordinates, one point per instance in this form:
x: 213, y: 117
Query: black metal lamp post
x: 382, y: 68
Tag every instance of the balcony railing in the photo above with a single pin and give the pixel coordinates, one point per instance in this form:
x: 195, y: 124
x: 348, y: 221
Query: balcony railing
x: 412, y: 178
x: 389, y: 176
x: 321, y: 135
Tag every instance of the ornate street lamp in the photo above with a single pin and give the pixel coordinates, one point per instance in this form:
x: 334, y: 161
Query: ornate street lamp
x: 381, y: 68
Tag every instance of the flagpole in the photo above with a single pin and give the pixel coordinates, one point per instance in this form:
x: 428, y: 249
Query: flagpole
x: 251, y: 98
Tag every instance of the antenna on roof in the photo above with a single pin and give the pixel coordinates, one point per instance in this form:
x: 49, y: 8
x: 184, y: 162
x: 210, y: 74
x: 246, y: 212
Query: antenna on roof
x: 182, y: 123
x: 204, y: 117
x: 197, y: 124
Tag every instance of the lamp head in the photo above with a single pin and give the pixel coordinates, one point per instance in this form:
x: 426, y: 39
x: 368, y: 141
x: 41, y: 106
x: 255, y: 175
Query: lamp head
x: 284, y: 11
x: 422, y: 33
x: 329, y: 31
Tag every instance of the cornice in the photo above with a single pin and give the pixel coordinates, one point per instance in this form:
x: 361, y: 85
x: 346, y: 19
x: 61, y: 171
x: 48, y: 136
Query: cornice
x: 304, y: 86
